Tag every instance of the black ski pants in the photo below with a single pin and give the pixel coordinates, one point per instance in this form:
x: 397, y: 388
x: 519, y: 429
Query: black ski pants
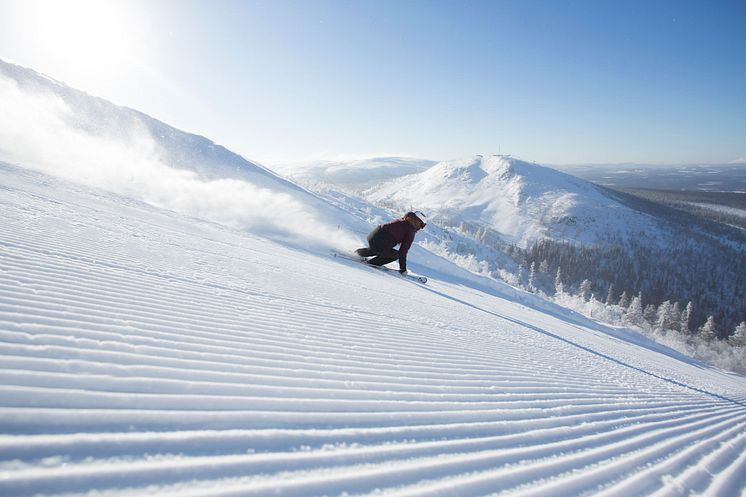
x: 381, y: 246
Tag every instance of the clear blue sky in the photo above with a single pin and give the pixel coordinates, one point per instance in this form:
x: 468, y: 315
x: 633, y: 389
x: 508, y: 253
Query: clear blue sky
x: 551, y: 81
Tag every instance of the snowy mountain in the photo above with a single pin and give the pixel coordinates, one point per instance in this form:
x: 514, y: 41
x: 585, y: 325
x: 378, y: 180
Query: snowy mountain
x: 53, y: 128
x: 351, y: 175
x: 527, y: 224
x: 97, y: 118
x: 522, y: 202
x: 171, y: 329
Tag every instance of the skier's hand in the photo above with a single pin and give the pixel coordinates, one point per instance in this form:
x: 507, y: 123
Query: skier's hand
x: 403, y: 272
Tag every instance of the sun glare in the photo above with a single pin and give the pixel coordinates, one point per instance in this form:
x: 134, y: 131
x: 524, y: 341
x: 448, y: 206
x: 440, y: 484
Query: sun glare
x: 90, y: 38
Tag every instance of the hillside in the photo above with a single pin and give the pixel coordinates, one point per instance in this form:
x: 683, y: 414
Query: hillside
x: 525, y: 223
x: 148, y: 353
x: 50, y: 127
x: 88, y: 116
x: 172, y: 324
x: 728, y: 208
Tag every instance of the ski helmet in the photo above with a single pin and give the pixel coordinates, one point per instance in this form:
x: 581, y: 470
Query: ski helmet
x: 420, y: 216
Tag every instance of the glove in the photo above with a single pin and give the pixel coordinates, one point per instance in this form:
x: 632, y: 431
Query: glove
x: 403, y: 272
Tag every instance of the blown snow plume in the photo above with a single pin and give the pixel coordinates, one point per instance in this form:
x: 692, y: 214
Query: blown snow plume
x: 50, y: 127
x: 351, y: 174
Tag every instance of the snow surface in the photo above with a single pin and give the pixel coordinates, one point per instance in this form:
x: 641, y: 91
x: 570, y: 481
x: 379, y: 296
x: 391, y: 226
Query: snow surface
x: 171, y: 324
x: 144, y: 352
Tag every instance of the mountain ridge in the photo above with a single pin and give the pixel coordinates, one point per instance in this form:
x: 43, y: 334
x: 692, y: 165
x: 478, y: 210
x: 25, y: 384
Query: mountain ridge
x: 91, y: 140
x: 99, y: 116
x: 523, y: 201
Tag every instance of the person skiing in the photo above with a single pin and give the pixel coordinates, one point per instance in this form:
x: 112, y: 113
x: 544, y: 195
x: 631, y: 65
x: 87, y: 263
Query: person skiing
x: 385, y: 237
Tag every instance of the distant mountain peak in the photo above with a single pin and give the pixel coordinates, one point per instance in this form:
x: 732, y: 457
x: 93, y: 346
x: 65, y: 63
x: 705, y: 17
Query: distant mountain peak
x: 520, y: 200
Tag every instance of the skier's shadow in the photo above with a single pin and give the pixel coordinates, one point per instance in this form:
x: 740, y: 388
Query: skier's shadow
x: 532, y: 327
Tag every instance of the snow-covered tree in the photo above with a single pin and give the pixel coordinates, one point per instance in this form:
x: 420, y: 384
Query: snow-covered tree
x: 708, y: 331
x: 624, y: 300
x: 634, y: 311
x: 665, y: 317
x: 676, y: 316
x: 544, y: 267
x: 532, y: 278
x: 521, y: 272
x: 559, y: 288
x: 687, y: 317
x: 738, y: 338
x: 585, y: 290
x: 610, y: 295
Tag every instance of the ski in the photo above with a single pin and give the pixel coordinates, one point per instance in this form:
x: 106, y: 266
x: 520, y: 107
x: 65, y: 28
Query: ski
x: 355, y: 258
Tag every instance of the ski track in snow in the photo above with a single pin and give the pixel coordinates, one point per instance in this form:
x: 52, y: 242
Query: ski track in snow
x: 145, y: 353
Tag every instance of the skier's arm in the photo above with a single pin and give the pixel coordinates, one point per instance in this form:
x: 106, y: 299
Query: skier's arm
x: 405, y: 245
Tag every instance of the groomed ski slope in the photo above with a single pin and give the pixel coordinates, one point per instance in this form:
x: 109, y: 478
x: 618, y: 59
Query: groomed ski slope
x: 146, y: 353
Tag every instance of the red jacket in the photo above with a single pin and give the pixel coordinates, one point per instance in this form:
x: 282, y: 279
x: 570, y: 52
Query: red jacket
x: 402, y: 232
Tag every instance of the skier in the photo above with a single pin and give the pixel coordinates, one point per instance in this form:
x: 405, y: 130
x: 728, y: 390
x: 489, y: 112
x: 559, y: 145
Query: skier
x: 385, y: 237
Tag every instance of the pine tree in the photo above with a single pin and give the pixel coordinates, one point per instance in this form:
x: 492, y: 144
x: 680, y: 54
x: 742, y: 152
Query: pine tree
x: 676, y: 317
x: 532, y: 278
x: 708, y: 331
x: 687, y: 318
x: 650, y: 313
x: 634, y: 311
x: 738, y: 338
x: 585, y: 290
x: 624, y: 300
x: 664, y: 316
x: 544, y: 267
x: 559, y: 288
x: 610, y: 295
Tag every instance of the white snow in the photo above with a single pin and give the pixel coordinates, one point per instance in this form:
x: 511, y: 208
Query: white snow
x: 147, y: 353
x: 149, y: 346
